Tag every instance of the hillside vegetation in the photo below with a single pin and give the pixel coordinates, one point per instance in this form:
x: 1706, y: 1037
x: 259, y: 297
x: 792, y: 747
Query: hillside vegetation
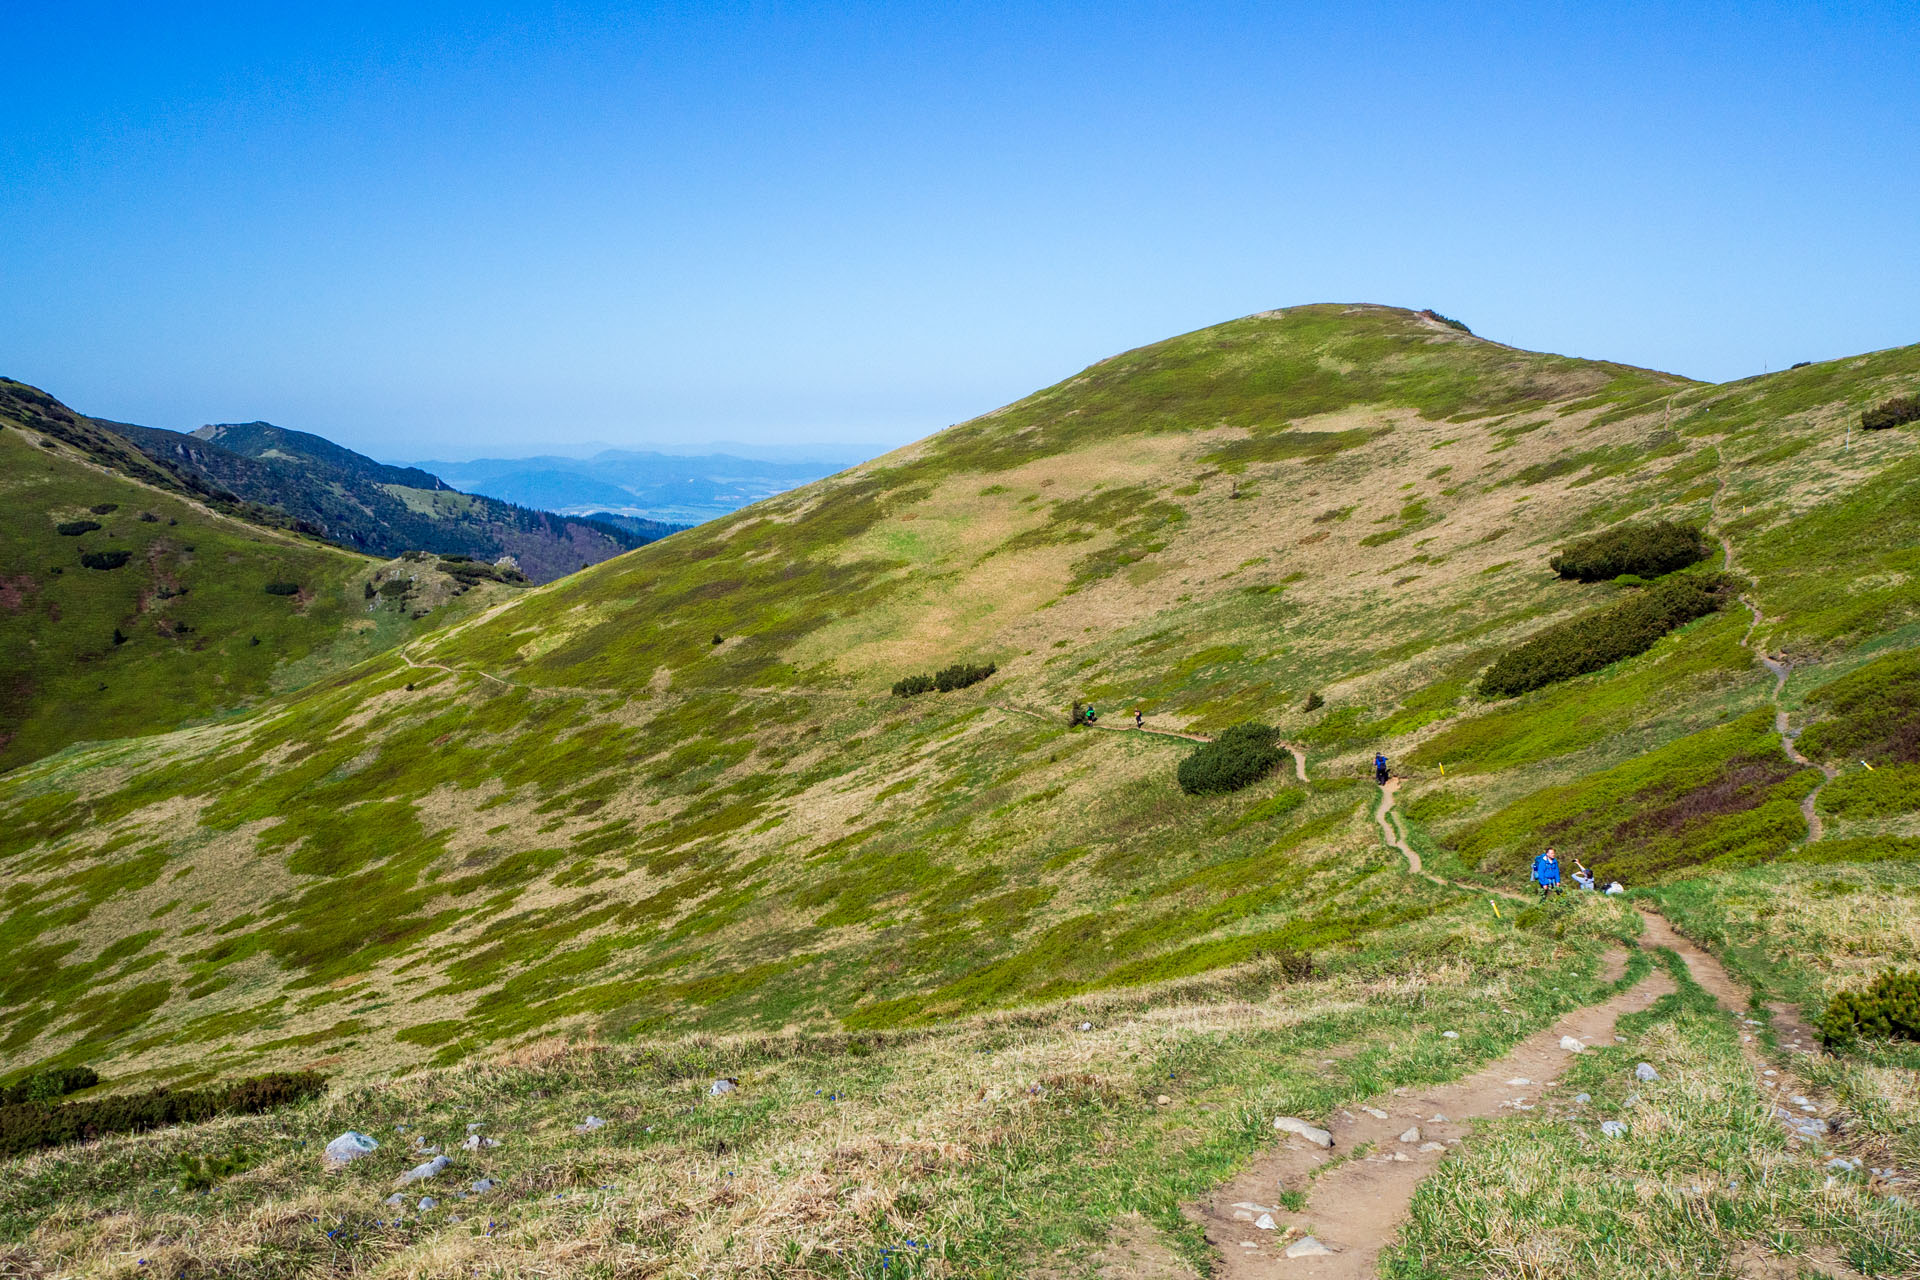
x: 673, y: 795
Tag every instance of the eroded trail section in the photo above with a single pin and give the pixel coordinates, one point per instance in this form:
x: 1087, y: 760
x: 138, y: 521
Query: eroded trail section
x: 1383, y: 815
x: 1356, y: 1201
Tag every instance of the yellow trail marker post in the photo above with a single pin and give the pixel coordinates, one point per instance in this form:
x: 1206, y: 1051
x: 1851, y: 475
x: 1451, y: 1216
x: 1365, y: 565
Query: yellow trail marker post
x: 1496, y: 909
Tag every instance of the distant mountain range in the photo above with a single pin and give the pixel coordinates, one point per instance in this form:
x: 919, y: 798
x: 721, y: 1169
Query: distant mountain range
x: 656, y: 486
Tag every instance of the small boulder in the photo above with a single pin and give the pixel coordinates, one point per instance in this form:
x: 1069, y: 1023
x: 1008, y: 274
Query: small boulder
x: 397, y: 1200
x: 1312, y: 1133
x: 589, y: 1125
x: 1448, y: 1035
x: 1583, y: 1098
x: 1162, y: 1100
x: 1264, y: 1222
x: 1375, y: 1112
x: 483, y: 1186
x: 1307, y: 1247
x: 347, y: 1148
x: 1411, y: 1135
x: 431, y: 1169
x: 476, y: 1142
x: 1613, y: 1128
x: 1645, y: 1073
x: 428, y: 1202
x: 721, y: 1088
x: 1433, y: 1146
x: 1086, y: 1026
x: 1571, y: 1045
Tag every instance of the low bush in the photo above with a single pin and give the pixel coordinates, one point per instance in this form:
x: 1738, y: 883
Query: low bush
x: 1449, y: 321
x: 204, y: 1173
x: 47, y: 1084
x: 74, y: 528
x: 1313, y: 703
x: 29, y: 1125
x: 105, y: 559
x: 283, y: 588
x: 1239, y: 757
x: 946, y: 680
x: 1871, y: 713
x: 1647, y: 549
x: 960, y: 675
x: 1892, y: 413
x: 1599, y: 639
x: 104, y: 508
x: 1889, y: 1009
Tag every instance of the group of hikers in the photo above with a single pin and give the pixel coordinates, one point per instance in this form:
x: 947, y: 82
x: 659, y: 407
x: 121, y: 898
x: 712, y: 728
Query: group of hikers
x: 1089, y: 714
x: 1546, y: 867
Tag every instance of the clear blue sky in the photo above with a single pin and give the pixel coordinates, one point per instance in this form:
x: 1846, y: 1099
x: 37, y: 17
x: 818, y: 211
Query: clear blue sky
x: 430, y: 230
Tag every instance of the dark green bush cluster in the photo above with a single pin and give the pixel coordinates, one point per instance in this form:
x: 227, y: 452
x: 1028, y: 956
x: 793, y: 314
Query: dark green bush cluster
x: 1598, y: 639
x: 1646, y: 548
x: 1872, y: 713
x: 1240, y: 756
x: 468, y: 571
x: 105, y: 559
x: 104, y: 508
x: 1895, y: 412
x: 1887, y: 1010
x: 203, y: 1173
x: 1449, y: 321
x: 74, y: 528
x: 47, y: 1084
x: 283, y: 588
x: 946, y: 680
x: 29, y: 1125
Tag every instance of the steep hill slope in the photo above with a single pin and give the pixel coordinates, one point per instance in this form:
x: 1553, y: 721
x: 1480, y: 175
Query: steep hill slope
x: 673, y: 791
x: 131, y: 603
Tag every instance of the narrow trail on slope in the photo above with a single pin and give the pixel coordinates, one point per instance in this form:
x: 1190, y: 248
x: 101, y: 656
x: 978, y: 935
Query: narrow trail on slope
x: 1383, y: 816
x: 1778, y: 669
x: 1356, y: 1206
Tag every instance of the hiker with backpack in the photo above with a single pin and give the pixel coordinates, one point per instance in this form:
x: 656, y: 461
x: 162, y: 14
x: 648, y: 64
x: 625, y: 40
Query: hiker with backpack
x: 1546, y: 873
x: 1380, y: 769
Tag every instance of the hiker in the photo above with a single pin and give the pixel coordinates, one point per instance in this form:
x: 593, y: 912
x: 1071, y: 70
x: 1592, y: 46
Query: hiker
x: 1546, y: 873
x: 1092, y: 715
x: 1380, y: 769
x: 1139, y: 718
x: 1582, y: 876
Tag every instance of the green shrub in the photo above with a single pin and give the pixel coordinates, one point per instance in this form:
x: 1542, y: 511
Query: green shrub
x: 202, y: 1174
x: 1887, y: 1010
x: 960, y: 675
x: 30, y: 1125
x: 105, y: 559
x: 47, y: 1084
x: 104, y: 508
x: 909, y: 686
x: 1647, y: 549
x: 1872, y: 713
x: 1313, y: 703
x: 1599, y: 639
x: 1892, y: 413
x: 1884, y: 792
x: 1239, y: 757
x: 283, y: 588
x: 1449, y: 321
x: 74, y: 528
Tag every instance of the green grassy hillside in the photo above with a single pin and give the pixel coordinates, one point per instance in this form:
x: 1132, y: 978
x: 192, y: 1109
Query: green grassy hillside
x: 181, y: 627
x: 673, y: 795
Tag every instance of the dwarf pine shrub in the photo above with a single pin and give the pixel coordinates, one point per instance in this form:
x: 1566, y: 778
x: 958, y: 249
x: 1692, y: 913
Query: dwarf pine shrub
x: 1599, y: 639
x: 1892, y: 413
x: 29, y: 1125
x: 909, y: 686
x: 1646, y: 548
x: 283, y: 588
x: 47, y: 1084
x: 74, y: 528
x: 960, y: 675
x: 1239, y: 757
x: 1889, y: 1009
x: 105, y: 559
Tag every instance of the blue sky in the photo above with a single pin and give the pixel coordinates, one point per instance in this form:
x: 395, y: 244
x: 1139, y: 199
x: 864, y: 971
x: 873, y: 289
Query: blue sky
x: 454, y: 230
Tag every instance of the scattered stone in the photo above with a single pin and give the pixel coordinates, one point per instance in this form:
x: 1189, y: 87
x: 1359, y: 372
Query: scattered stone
x: 1411, y: 1135
x: 428, y: 1202
x: 1264, y: 1222
x: 721, y: 1088
x: 1769, y: 1072
x: 347, y: 1148
x: 1307, y: 1247
x: 1438, y: 1118
x: 1840, y: 1164
x: 396, y: 1200
x: 1571, y: 1045
x: 1799, y: 1101
x: 483, y: 1186
x: 1450, y: 1035
x: 473, y: 1128
x: 1241, y: 1215
x: 1399, y: 1156
x: 1583, y: 1098
x: 1613, y: 1128
x: 1433, y: 1146
x: 1519, y: 1080
x: 589, y: 1125
x: 1633, y: 1100
x: 1086, y: 1026
x: 431, y: 1169
x: 1375, y: 1112
x: 1162, y: 1100
x: 1645, y: 1072
x: 476, y: 1142
x: 1312, y: 1133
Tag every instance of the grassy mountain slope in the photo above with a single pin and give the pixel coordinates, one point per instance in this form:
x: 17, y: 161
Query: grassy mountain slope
x: 180, y: 629
x: 671, y: 795
x: 588, y: 813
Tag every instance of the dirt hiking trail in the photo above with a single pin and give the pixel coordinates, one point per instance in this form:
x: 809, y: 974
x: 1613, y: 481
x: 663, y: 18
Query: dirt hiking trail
x: 1355, y: 1207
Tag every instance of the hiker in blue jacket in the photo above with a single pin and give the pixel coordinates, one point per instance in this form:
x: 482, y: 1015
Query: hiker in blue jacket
x: 1380, y: 769
x: 1546, y: 873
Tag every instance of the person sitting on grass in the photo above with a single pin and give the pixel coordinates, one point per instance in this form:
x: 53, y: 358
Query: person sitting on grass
x: 1582, y: 876
x: 1546, y: 873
